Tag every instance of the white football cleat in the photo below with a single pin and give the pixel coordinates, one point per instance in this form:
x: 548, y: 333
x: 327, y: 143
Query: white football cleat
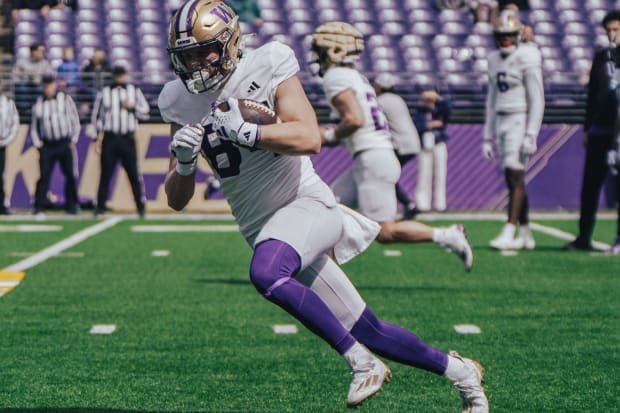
x: 506, y: 241
x: 470, y: 389
x: 526, y: 241
x: 369, y: 373
x: 458, y: 243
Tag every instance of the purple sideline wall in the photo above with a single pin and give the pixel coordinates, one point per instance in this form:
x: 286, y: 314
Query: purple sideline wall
x: 554, y: 176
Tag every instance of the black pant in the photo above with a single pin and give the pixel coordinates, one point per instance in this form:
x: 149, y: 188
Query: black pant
x: 115, y: 148
x: 50, y: 153
x: 2, y: 163
x: 401, y: 195
x: 594, y: 173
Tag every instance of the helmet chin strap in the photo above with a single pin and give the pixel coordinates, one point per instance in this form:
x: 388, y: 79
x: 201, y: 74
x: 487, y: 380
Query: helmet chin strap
x: 198, y: 83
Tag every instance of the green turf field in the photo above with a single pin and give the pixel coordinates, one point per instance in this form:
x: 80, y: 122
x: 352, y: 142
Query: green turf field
x: 194, y: 336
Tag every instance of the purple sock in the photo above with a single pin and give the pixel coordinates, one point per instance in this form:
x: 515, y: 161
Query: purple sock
x: 273, y: 267
x: 396, y: 343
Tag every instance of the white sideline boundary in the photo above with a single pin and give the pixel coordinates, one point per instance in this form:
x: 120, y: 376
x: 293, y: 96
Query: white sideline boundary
x: 184, y: 228
x: 62, y: 245
x: 563, y: 235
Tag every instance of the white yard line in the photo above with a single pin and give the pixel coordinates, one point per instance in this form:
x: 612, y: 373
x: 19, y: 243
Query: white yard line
x: 566, y: 236
x: 501, y: 216
x: 62, y: 245
x: 185, y: 228
x: 30, y: 228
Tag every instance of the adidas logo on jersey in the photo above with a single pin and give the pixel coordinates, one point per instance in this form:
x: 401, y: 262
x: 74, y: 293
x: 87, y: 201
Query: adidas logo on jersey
x: 253, y: 87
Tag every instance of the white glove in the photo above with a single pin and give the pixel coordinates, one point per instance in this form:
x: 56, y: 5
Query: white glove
x: 231, y: 126
x: 528, y: 147
x: 487, y: 150
x: 185, y: 146
x: 613, y: 160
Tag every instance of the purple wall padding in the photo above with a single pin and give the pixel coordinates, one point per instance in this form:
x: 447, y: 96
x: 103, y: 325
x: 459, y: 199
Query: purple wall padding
x: 554, y: 175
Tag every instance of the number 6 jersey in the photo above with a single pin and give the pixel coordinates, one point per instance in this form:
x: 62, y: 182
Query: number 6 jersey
x: 374, y: 134
x: 515, y: 86
x: 255, y: 182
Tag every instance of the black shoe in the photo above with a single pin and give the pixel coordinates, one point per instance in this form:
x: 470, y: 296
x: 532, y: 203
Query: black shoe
x: 99, y: 212
x: 577, y: 246
x: 141, y: 213
x: 4, y: 211
x: 73, y: 210
x: 37, y: 210
x: 410, y: 213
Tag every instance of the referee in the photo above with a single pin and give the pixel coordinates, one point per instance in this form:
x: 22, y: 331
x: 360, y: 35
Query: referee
x: 9, y: 123
x: 115, y: 116
x: 54, y: 130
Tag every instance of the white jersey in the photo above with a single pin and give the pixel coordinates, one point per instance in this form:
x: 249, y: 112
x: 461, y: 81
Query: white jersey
x: 256, y: 182
x: 374, y: 134
x: 405, y: 136
x: 515, y: 86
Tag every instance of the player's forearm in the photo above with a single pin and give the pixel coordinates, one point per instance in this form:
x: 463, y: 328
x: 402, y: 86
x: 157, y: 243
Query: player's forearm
x: 179, y: 189
x: 290, y: 138
x: 348, y: 126
x: 536, y: 101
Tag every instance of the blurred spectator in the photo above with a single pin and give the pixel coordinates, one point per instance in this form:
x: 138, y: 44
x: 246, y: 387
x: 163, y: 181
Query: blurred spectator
x: 405, y: 137
x: 54, y: 130
x: 484, y: 11
x: 68, y: 70
x: 97, y: 71
x: 598, y: 136
x: 431, y: 120
x: 44, y: 6
x: 115, y: 117
x: 9, y: 123
x: 521, y: 4
x: 247, y: 10
x: 33, y: 68
x: 27, y: 75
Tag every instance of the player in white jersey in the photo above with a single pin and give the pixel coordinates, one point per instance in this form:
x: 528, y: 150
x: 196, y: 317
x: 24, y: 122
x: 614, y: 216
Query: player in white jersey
x: 370, y: 184
x: 285, y: 211
x: 514, y: 113
x: 405, y: 138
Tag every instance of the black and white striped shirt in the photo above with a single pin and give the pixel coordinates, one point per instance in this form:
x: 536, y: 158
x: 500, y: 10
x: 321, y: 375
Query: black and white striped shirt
x: 109, y: 115
x: 54, y: 119
x: 9, y: 121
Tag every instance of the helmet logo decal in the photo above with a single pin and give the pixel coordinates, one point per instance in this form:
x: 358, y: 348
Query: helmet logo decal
x: 222, y: 12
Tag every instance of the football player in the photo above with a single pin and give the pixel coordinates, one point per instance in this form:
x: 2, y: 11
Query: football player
x: 287, y: 214
x: 370, y: 184
x: 514, y: 112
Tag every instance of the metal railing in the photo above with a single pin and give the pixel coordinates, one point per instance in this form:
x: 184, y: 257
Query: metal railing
x: 564, y: 93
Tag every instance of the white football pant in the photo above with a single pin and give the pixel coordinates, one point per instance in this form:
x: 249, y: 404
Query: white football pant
x: 432, y: 162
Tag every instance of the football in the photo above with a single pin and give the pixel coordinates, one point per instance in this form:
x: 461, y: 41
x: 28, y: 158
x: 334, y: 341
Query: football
x: 253, y: 112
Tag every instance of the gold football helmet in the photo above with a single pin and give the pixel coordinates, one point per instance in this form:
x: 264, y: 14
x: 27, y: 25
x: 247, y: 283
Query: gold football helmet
x: 507, y: 31
x: 204, y: 43
x: 336, y: 43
